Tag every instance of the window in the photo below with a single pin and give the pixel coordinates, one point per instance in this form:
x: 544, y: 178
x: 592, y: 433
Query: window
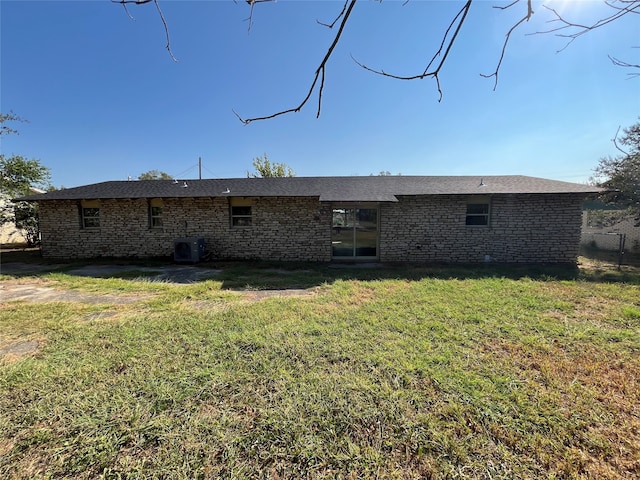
x: 155, y: 213
x: 241, y: 212
x: 241, y: 216
x: 90, y: 214
x: 478, y: 212
x: 90, y: 217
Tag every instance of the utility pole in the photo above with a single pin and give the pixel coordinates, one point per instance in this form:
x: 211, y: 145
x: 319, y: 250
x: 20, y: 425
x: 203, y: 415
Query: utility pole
x: 200, y: 168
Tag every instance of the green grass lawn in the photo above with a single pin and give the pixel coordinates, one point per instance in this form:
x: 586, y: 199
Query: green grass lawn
x: 379, y: 373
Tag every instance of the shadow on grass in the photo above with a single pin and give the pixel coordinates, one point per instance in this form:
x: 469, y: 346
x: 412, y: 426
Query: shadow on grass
x: 28, y: 262
x: 268, y: 275
x: 265, y: 275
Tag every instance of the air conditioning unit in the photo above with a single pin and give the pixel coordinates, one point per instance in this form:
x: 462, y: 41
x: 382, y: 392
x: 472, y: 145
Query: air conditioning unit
x: 188, y: 249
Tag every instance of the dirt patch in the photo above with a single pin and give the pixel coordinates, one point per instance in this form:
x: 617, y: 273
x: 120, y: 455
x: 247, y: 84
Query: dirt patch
x: 248, y: 296
x: 162, y: 273
x: 35, y: 293
x: 20, y: 349
x: 100, y: 315
x: 30, y: 292
x: 256, y: 295
x: 182, y: 274
x: 19, y: 268
x: 40, y: 294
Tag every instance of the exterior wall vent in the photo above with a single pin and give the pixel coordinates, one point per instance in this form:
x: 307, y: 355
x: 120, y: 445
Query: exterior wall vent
x: 188, y: 249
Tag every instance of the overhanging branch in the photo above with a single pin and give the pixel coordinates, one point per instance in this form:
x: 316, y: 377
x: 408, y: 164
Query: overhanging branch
x: 575, y: 30
x: 252, y: 4
x: 448, y: 40
x: 623, y: 64
x: 124, y: 3
x: 319, y: 74
x: 332, y: 24
x: 525, y: 18
x: 563, y: 28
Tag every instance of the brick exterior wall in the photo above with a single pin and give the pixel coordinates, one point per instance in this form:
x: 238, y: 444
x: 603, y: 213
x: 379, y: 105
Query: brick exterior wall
x: 523, y: 228
x: 282, y: 229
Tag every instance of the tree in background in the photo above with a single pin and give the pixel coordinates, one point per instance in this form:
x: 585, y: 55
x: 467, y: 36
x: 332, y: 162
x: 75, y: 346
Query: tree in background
x: 620, y: 175
x: 155, y: 175
x: 265, y: 169
x: 20, y: 176
x: 26, y: 218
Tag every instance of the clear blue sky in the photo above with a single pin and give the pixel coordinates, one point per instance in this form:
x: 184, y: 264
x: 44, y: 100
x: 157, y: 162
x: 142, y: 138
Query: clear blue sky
x: 105, y: 101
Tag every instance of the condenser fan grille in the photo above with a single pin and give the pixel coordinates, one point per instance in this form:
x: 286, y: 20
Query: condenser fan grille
x: 188, y: 249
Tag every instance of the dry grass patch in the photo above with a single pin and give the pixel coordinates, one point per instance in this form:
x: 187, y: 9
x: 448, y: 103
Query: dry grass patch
x: 257, y: 295
x: 596, y: 303
x: 595, y: 391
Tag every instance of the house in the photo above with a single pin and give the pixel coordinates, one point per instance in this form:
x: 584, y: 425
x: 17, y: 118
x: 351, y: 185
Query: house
x: 320, y: 219
x: 9, y: 233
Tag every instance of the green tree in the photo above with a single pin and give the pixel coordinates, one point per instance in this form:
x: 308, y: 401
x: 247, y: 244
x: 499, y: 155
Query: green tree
x: 155, y: 175
x: 19, y: 176
x: 264, y: 169
x: 26, y: 219
x: 620, y: 175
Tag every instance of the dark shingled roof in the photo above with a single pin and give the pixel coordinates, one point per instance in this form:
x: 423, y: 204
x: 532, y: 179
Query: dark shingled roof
x: 360, y: 189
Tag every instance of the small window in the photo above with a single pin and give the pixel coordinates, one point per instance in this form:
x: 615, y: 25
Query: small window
x: 241, y: 216
x: 155, y: 213
x: 90, y: 217
x: 90, y: 214
x: 241, y: 212
x: 478, y: 213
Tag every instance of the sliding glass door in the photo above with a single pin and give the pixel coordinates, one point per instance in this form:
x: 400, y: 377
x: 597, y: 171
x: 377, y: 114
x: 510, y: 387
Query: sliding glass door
x: 355, y: 233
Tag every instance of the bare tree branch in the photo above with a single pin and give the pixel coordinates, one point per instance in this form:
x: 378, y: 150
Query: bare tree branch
x: 562, y: 27
x: 577, y: 29
x: 166, y: 30
x: 319, y: 74
x: 446, y: 45
x: 525, y: 18
x: 332, y: 24
x: 252, y: 4
x: 615, y: 142
x: 124, y: 3
x: 620, y: 63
